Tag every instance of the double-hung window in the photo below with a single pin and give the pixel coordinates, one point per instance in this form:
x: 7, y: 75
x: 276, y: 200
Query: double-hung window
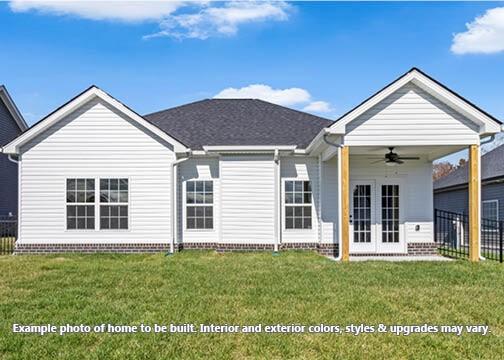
x: 80, y: 204
x: 199, y: 204
x: 114, y: 204
x: 298, y: 204
x: 490, y: 210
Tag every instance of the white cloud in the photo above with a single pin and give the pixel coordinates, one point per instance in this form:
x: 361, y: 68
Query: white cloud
x: 221, y: 20
x: 485, y: 34
x: 127, y: 11
x: 318, y: 106
x: 286, y: 97
x: 177, y: 19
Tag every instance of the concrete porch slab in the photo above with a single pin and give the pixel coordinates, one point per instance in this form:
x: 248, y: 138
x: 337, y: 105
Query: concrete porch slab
x: 397, y: 258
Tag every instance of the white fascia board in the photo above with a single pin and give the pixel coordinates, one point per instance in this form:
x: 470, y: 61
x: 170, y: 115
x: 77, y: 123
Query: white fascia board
x: 13, y: 146
x: 318, y: 145
x: 247, y: 148
x: 485, y: 123
x: 317, y: 139
x: 11, y: 106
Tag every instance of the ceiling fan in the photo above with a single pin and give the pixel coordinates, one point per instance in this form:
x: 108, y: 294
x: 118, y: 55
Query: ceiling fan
x: 391, y: 158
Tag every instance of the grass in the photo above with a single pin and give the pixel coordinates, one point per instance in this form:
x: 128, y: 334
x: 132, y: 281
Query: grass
x: 205, y: 287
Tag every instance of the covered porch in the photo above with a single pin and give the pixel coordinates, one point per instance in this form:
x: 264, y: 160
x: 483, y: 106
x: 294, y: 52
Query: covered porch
x: 385, y: 148
x: 386, y: 202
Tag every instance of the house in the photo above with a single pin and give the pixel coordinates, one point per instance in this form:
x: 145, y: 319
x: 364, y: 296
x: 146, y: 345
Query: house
x: 451, y: 194
x: 245, y: 174
x: 11, y: 125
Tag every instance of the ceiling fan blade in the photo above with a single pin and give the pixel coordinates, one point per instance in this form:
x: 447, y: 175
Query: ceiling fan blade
x: 399, y: 161
x: 409, y: 158
x: 379, y: 161
x: 375, y: 157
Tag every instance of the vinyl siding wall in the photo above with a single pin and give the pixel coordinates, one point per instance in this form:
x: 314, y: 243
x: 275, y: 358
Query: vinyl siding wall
x: 8, y: 170
x: 245, y: 185
x: 247, y: 198
x: 417, y: 182
x: 457, y: 200
x: 95, y: 141
x: 410, y: 116
x: 329, y: 201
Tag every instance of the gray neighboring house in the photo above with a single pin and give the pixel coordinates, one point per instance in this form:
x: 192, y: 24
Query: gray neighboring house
x: 450, y: 192
x: 11, y: 125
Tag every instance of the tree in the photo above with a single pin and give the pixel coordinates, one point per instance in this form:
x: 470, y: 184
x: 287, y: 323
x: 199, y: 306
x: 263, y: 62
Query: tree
x: 442, y: 169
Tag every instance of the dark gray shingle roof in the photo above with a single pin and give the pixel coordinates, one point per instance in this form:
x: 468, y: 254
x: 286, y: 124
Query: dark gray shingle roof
x: 492, y: 166
x: 238, y: 122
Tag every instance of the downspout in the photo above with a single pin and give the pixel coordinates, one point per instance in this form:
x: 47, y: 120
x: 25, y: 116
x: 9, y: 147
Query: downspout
x: 174, y: 220
x: 18, y: 162
x: 278, y: 236
x: 319, y: 210
x: 340, y: 220
x: 489, y: 140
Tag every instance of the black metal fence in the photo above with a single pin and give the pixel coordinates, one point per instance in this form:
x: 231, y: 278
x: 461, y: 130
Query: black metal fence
x: 451, y: 233
x: 8, y: 234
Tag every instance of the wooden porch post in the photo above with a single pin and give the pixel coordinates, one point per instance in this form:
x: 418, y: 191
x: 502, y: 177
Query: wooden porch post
x: 345, y: 204
x: 474, y: 203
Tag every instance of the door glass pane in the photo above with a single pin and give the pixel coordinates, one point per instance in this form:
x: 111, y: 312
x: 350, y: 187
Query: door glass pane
x: 390, y: 213
x: 362, y: 214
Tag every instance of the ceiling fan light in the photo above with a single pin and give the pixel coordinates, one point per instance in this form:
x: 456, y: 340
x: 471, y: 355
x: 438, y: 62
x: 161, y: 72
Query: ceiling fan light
x: 391, y: 163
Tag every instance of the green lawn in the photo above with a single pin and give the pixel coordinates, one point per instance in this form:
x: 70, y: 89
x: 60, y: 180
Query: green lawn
x: 205, y: 287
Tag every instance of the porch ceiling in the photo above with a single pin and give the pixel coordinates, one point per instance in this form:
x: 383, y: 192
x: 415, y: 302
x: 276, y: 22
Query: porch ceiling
x: 429, y: 152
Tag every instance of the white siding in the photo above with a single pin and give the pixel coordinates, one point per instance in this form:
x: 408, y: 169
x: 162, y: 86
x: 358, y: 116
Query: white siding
x: 297, y: 168
x: 329, y: 201
x: 95, y: 141
x: 198, y: 169
x: 247, y: 198
x: 417, y: 176
x: 410, y: 116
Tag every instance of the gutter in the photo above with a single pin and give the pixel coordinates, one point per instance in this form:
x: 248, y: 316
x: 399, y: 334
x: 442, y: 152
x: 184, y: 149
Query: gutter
x: 174, y: 220
x: 12, y: 159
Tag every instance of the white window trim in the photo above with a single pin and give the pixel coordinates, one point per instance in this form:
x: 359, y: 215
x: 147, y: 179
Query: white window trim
x: 496, y: 207
x: 99, y: 203
x: 185, y: 205
x: 65, y: 223
x: 283, y: 212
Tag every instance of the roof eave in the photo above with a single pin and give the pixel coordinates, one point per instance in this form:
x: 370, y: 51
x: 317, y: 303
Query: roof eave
x: 11, y: 106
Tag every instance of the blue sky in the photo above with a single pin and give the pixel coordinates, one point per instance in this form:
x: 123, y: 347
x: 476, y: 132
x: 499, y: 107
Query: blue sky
x: 331, y: 52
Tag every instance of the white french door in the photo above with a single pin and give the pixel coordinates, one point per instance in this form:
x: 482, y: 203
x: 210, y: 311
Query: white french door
x: 376, y: 216
x: 362, y: 217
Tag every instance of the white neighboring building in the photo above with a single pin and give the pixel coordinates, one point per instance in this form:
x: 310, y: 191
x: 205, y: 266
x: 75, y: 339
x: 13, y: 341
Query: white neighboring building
x: 241, y: 174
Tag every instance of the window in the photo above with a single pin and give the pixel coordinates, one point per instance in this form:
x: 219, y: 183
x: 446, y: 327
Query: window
x: 114, y: 193
x: 490, y: 210
x: 80, y: 208
x: 298, y: 208
x: 199, y: 204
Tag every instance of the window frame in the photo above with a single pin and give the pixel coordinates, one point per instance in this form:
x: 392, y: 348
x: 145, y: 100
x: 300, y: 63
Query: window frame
x: 494, y: 201
x: 66, y: 204
x: 285, y: 204
x: 185, y: 205
x: 99, y: 203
